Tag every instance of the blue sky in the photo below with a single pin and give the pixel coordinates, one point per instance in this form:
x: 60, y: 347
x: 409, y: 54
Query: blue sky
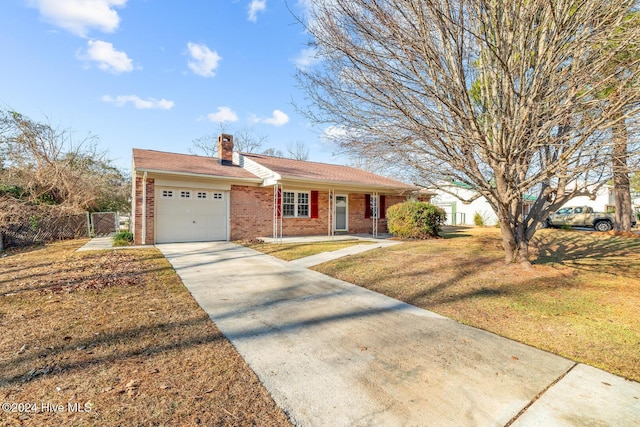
x: 158, y: 74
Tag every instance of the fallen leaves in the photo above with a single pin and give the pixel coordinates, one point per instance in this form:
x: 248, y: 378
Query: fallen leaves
x: 116, y: 327
x: 110, y: 269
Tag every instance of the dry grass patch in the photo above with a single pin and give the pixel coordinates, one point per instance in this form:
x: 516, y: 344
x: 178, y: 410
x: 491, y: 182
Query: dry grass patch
x: 581, y: 299
x: 117, y: 330
x: 291, y: 251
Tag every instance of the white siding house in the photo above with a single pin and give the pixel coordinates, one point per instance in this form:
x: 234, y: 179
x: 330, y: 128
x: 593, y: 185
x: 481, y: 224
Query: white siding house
x: 459, y: 210
x: 603, y: 202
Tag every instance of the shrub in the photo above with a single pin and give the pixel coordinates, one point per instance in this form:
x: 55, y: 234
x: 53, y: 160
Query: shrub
x: 123, y: 238
x: 415, y: 220
x: 478, y: 219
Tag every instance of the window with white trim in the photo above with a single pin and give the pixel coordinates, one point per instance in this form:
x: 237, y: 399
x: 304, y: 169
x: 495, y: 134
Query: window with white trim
x: 167, y: 194
x: 216, y: 196
x: 374, y: 213
x: 201, y: 195
x: 295, y: 204
x: 185, y: 194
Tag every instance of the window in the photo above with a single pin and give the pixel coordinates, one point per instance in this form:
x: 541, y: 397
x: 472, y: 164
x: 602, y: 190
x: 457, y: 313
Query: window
x: 185, y: 194
x: 303, y: 204
x: 375, y: 206
x: 167, y: 194
x: 217, y: 196
x: 295, y: 204
x: 201, y: 195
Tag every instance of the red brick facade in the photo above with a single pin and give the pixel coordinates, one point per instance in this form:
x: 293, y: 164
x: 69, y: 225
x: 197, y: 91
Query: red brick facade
x: 251, y: 214
x: 150, y: 212
x: 358, y: 223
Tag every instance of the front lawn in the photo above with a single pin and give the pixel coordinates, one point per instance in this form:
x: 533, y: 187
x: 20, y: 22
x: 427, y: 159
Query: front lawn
x: 581, y: 299
x: 116, y: 334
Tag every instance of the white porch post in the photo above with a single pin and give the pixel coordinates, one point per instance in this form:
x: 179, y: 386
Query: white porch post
x: 277, y: 208
x: 330, y: 213
x: 144, y: 208
x: 375, y: 214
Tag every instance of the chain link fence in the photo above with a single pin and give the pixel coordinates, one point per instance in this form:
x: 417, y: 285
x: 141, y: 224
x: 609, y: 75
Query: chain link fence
x: 44, y: 229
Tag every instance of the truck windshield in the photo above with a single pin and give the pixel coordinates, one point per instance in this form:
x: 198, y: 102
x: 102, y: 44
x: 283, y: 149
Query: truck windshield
x: 564, y: 211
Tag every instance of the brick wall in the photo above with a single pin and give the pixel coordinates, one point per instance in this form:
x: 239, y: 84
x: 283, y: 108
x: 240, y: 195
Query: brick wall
x: 137, y: 221
x: 309, y: 226
x: 251, y: 212
x: 357, y: 221
x: 252, y: 215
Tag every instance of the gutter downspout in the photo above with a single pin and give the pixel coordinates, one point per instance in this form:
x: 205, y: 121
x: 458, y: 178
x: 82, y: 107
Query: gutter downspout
x: 144, y: 208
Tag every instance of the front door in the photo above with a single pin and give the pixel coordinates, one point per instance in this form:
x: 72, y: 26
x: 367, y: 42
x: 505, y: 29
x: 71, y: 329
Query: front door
x: 341, y: 213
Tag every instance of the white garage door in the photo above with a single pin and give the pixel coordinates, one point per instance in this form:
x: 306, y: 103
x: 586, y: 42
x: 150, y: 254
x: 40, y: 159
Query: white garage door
x: 190, y: 215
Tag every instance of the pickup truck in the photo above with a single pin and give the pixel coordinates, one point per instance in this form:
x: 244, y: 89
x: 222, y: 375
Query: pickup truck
x: 582, y: 216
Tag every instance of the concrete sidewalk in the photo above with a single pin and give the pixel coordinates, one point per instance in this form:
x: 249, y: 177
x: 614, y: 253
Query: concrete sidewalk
x: 334, y: 354
x: 102, y: 243
x: 323, y: 257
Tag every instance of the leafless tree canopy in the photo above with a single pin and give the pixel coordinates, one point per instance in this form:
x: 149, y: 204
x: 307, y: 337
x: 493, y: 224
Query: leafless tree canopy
x: 498, y: 94
x: 245, y: 140
x: 298, y: 151
x: 40, y: 164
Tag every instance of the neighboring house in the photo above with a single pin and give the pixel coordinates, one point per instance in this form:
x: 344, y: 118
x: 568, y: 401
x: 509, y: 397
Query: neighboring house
x: 182, y: 198
x: 603, y: 201
x: 461, y: 203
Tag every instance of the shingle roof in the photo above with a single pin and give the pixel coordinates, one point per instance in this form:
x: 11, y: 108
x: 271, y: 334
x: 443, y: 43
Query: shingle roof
x: 186, y: 163
x: 324, y: 172
x: 160, y: 161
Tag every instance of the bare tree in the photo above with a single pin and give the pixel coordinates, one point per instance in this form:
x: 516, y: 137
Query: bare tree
x: 274, y: 152
x: 44, y: 165
x: 620, y: 132
x: 498, y: 94
x: 298, y: 151
x: 245, y: 140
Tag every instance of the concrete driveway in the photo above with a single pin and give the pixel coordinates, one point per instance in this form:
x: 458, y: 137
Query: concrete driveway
x: 334, y: 354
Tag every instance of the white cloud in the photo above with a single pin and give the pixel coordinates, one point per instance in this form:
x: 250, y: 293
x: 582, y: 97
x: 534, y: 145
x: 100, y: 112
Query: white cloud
x: 333, y: 133
x: 108, y: 58
x: 204, y: 62
x: 139, y: 103
x: 256, y: 6
x: 224, y: 114
x: 278, y: 119
x: 307, y: 58
x: 79, y: 16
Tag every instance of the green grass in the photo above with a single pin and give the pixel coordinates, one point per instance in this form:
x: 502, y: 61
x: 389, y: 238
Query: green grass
x: 291, y: 251
x: 580, y: 300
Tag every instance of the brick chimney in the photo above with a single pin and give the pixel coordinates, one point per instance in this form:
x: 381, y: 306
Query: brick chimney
x: 225, y: 149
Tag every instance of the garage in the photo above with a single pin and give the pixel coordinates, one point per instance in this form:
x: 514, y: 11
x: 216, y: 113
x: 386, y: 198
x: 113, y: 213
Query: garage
x: 191, y: 215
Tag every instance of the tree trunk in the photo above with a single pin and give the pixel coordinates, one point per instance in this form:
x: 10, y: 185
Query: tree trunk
x: 515, y: 243
x: 621, y: 187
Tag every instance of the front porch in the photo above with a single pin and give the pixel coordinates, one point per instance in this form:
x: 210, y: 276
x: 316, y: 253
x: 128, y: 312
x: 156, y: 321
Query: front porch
x: 326, y: 238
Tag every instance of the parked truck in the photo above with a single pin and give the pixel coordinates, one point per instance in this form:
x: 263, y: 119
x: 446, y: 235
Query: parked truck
x: 582, y: 216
